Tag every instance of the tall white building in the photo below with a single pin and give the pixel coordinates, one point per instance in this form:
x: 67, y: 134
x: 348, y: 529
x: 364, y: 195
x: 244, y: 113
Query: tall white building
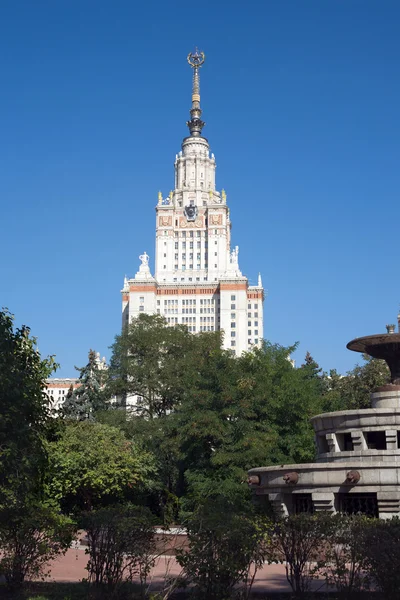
x: 197, y: 279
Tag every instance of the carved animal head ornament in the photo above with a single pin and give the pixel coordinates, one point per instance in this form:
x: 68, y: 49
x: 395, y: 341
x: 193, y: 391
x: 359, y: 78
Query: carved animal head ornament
x: 291, y: 478
x: 353, y: 477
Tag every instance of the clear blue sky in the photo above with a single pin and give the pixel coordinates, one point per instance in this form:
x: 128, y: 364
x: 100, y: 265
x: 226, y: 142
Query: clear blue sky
x: 301, y: 101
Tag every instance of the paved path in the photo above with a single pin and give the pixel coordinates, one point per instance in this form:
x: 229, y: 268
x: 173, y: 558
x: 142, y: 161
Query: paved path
x: 71, y: 567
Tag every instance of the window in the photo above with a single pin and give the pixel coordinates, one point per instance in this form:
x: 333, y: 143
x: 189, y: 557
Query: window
x: 255, y: 323
x: 233, y: 343
x: 176, y: 245
x: 249, y: 306
x: 233, y: 306
x: 256, y: 332
x: 184, y: 256
x: 215, y: 266
x: 183, y: 244
x: 199, y: 244
x: 249, y: 315
x: 176, y: 267
x: 249, y: 332
x: 233, y: 315
x: 191, y: 244
x: 216, y: 242
x: 141, y: 308
x: 141, y: 299
x: 256, y: 315
x: 248, y: 323
x: 249, y: 342
x: 191, y: 234
x: 198, y: 233
x: 233, y: 333
x: 183, y: 234
x: 176, y: 256
x: 233, y: 325
x: 256, y: 305
x: 165, y: 256
x: 165, y: 266
x: 158, y: 303
x: 256, y: 341
x: 233, y: 298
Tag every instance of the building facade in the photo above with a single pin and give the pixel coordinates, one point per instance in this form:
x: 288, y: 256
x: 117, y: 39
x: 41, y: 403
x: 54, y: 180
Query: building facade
x: 197, y: 280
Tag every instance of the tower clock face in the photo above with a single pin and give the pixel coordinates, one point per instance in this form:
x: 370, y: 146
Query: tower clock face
x: 191, y: 212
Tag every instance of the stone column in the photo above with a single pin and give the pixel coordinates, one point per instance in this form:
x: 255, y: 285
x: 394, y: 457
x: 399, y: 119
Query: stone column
x: 388, y: 504
x: 391, y: 440
x: 358, y: 439
x: 323, y: 501
x: 332, y: 442
x: 279, y: 505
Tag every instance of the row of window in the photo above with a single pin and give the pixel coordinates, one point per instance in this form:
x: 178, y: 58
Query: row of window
x: 185, y: 302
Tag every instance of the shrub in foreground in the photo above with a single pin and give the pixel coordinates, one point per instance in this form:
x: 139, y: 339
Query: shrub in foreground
x: 30, y: 537
x: 380, y: 544
x: 120, y: 544
x: 224, y: 549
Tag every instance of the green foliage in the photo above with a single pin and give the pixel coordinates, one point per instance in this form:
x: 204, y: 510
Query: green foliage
x: 217, y: 415
x: 300, y: 541
x: 92, y: 464
x: 82, y: 403
x: 149, y: 361
x: 29, y: 538
x: 345, y: 564
x: 224, y: 546
x: 120, y: 544
x: 380, y: 544
x: 353, y: 390
x: 24, y: 413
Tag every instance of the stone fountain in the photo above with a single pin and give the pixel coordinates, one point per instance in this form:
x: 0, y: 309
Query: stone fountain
x: 357, y: 469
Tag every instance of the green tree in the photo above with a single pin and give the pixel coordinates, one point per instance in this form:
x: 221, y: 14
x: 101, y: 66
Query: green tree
x: 82, y: 403
x: 92, y: 464
x: 24, y: 413
x: 149, y: 360
x: 353, y: 390
x: 243, y: 412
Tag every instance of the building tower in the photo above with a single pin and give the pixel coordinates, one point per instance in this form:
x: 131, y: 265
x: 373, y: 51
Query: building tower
x: 197, y: 280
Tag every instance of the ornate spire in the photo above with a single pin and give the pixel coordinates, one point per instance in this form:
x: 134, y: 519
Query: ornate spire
x: 196, y: 60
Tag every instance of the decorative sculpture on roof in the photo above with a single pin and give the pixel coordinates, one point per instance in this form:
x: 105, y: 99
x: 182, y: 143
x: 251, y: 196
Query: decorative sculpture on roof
x: 145, y: 259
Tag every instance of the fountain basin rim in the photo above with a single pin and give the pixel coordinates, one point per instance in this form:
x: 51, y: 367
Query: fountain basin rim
x: 362, y: 344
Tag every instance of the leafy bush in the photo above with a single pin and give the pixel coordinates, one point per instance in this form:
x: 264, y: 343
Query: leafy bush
x: 30, y: 537
x: 345, y: 565
x: 120, y: 544
x: 223, y: 548
x: 300, y: 540
x: 380, y: 544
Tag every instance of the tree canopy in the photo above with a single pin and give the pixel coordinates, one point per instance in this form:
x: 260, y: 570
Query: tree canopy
x: 92, y: 463
x: 24, y: 412
x: 82, y: 403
